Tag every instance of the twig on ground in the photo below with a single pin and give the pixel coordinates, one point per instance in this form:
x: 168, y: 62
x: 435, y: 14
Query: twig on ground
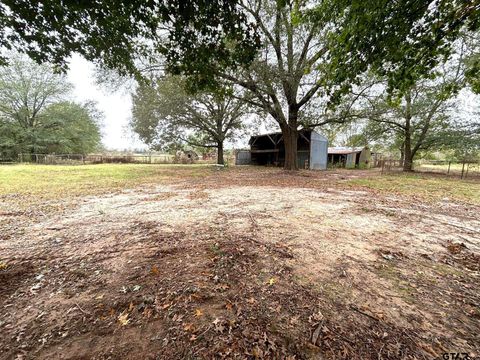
x: 79, y: 308
x: 363, y: 313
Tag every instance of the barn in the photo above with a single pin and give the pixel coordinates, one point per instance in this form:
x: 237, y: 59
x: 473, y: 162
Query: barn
x: 349, y: 157
x: 269, y: 149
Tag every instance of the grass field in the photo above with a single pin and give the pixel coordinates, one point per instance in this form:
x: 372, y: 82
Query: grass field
x: 424, y: 186
x: 45, y: 182
x: 52, y: 181
x: 136, y: 261
x: 455, y: 168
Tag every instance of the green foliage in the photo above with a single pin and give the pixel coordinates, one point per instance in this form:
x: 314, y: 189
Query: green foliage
x: 473, y: 72
x: 194, y: 35
x: 36, y: 118
x: 165, y: 115
x: 400, y: 40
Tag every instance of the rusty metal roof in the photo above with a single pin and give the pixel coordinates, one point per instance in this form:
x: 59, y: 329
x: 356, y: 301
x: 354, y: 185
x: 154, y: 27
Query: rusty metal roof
x: 344, y: 150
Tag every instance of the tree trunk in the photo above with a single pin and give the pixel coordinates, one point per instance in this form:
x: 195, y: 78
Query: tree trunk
x: 220, y: 160
x: 290, y: 138
x: 408, y: 154
x: 408, y: 161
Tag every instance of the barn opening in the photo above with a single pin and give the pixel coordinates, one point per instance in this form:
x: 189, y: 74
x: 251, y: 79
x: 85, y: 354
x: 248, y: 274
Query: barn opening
x: 269, y: 150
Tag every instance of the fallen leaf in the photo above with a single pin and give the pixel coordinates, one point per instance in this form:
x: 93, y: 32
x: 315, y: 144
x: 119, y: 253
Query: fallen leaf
x: 188, y: 327
x: 193, y: 338
x: 123, y: 318
x: 154, y: 270
x: 131, y: 306
x: 198, y: 313
x: 271, y: 281
x: 218, y: 325
x: 229, y: 306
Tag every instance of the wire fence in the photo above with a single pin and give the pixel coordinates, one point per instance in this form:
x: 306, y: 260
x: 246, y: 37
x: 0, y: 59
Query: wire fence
x: 455, y: 169
x: 78, y: 159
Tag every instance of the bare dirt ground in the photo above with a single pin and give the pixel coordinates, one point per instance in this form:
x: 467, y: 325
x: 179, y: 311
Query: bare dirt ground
x: 242, y: 265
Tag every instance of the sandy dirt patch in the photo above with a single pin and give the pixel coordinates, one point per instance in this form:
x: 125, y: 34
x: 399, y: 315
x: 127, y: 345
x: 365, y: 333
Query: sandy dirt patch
x: 201, y: 271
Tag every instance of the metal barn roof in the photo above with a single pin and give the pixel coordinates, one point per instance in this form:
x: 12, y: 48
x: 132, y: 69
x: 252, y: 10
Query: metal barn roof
x: 344, y: 150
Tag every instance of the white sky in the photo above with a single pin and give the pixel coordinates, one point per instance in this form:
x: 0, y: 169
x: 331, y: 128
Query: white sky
x: 116, y: 107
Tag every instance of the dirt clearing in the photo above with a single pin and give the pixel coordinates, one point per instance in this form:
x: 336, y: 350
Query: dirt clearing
x: 241, y: 264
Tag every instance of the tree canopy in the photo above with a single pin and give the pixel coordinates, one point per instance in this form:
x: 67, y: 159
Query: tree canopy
x: 286, y: 54
x: 36, y: 115
x: 128, y: 35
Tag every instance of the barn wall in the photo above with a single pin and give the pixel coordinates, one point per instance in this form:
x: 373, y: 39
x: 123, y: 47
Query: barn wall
x: 365, y: 158
x: 318, y: 152
x: 351, y: 160
x: 243, y: 157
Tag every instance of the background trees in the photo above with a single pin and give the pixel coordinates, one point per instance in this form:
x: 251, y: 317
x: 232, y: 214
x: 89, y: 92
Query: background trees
x: 422, y: 117
x: 164, y: 115
x: 35, y: 116
x: 285, y: 54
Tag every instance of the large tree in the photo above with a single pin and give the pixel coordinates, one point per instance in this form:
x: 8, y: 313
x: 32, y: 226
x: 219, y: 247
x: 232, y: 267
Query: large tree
x: 288, y: 70
x: 164, y: 113
x: 35, y: 116
x: 421, y: 118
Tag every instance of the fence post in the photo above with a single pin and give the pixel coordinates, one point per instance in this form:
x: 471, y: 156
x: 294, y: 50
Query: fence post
x: 463, y: 169
x: 448, y: 172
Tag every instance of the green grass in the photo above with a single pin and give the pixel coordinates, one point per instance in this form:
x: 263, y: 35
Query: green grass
x: 425, y: 187
x: 56, y: 181
x: 443, y: 168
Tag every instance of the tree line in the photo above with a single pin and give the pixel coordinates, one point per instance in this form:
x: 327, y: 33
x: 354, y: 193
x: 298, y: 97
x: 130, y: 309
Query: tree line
x: 389, y: 68
x: 37, y: 115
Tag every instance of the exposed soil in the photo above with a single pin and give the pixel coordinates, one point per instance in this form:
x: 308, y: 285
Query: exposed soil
x: 241, y: 265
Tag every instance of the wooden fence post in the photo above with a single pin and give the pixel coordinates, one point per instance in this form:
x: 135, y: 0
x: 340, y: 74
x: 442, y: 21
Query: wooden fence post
x: 448, y: 172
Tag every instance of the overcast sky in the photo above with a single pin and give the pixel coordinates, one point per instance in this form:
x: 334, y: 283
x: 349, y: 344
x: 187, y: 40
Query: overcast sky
x: 115, y: 106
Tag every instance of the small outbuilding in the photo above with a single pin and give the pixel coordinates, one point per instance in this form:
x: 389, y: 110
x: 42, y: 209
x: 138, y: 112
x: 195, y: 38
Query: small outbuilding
x: 269, y: 149
x: 350, y: 157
